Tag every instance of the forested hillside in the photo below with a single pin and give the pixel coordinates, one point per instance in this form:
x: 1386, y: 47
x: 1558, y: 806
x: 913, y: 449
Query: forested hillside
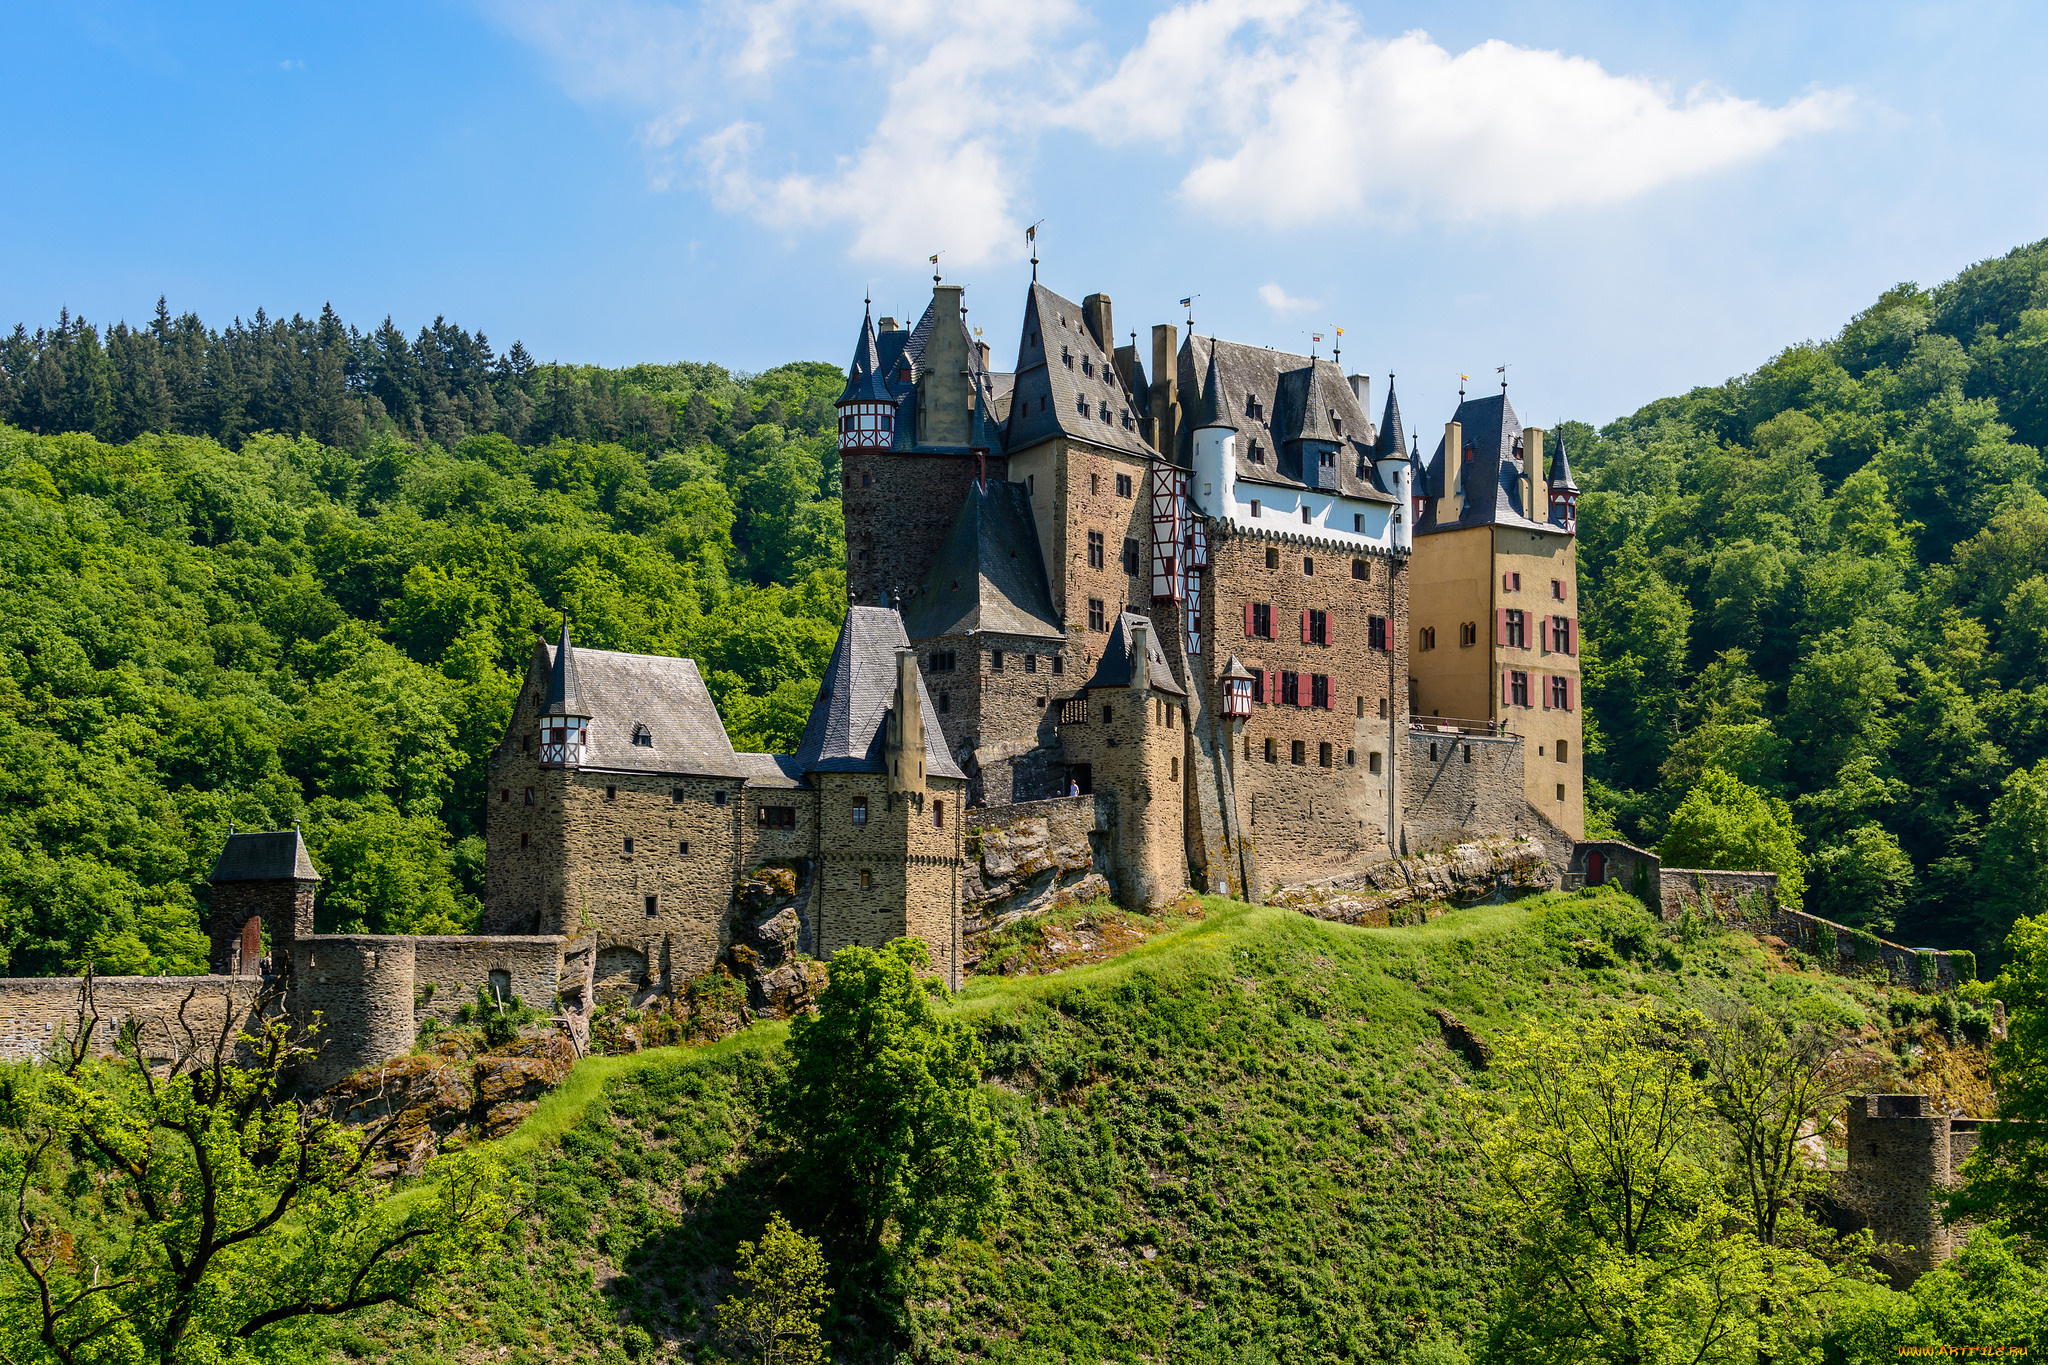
x: 1830, y: 577
x: 199, y: 625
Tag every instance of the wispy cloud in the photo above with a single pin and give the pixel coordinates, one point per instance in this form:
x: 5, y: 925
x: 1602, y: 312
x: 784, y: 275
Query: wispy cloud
x: 1280, y: 301
x: 1283, y: 112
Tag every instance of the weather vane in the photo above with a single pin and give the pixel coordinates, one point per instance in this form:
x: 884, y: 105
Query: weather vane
x: 1031, y: 240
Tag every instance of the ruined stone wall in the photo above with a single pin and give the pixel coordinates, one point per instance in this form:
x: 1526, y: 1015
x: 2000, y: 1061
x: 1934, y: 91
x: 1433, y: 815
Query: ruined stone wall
x: 898, y: 509
x: 449, y: 970
x: 1749, y: 900
x: 35, y: 1011
x: 1308, y: 818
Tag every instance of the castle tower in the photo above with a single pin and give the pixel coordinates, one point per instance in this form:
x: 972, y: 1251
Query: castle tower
x: 564, y: 724
x: 1390, y: 460
x: 1494, y: 631
x: 262, y: 885
x: 1564, y: 492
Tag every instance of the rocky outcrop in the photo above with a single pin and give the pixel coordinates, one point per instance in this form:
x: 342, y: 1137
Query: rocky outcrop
x: 1411, y: 890
x: 1032, y: 857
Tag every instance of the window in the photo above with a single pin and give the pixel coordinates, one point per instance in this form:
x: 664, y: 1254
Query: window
x: 1428, y: 637
x: 1372, y: 762
x: 1319, y: 690
x: 1059, y: 665
x: 1094, y: 484
x: 718, y: 798
x: 1081, y: 405
x: 1030, y: 663
x: 675, y: 796
x: 611, y: 793
x: 1383, y: 708
x: 1130, y: 555
x: 1516, y: 629
x: 1376, y: 632
x: 867, y: 878
x: 1258, y: 455
x: 1351, y: 758
x: 860, y: 810
x: 1308, y: 566
x: 1030, y: 485
x: 1468, y: 634
x: 1304, y: 516
x: 1560, y: 693
x: 653, y: 906
x: 1095, y: 615
x: 865, y: 479
x: 1088, y: 366
x: 1096, y: 557
x: 504, y: 794
x: 1468, y: 753
x: 1358, y: 518
x: 1261, y: 620
x: 1318, y: 627
x: 526, y: 744
x: 529, y: 796
x: 683, y: 849
x: 1518, y: 688
x: 1560, y: 635
x: 938, y: 815
x: 1173, y: 770
x: 1259, y: 685
x: 1290, y: 689
x: 525, y: 839
x: 1123, y: 485
x: 945, y: 702
x: 629, y: 848
x: 1563, y: 748
x: 1130, y: 423
x: 940, y: 661
x: 1066, y: 357
x: 1361, y: 708
x: 643, y: 737
x: 1360, y: 570
x: 1107, y: 713
x: 1323, y: 754
x: 995, y: 661
x: 1272, y: 559
x: 1271, y: 755
x: 1560, y: 791
x: 775, y: 817
x: 1298, y: 753
x: 1255, y: 501
x: 1557, y: 588
x: 1432, y: 753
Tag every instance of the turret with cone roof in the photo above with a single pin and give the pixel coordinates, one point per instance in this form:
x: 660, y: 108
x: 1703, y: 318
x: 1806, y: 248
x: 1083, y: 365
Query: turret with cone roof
x: 563, y: 721
x: 1564, y: 491
x: 1212, y: 412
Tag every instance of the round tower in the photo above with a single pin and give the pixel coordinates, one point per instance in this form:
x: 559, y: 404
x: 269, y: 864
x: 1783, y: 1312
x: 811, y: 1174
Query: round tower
x: 564, y: 724
x: 357, y: 989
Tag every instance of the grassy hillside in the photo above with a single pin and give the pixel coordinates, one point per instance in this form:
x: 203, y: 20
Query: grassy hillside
x: 1239, y: 1143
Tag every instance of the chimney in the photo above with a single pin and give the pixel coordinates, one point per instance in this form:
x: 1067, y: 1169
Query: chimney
x: 945, y: 400
x: 1141, y: 659
x: 1165, y: 404
x: 1454, y: 469
x: 906, y: 728
x: 1361, y: 389
x: 981, y: 354
x: 1095, y: 312
x: 1532, y: 474
x: 889, y: 325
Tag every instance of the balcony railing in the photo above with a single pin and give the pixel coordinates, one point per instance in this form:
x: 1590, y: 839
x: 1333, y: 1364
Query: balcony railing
x: 1453, y: 725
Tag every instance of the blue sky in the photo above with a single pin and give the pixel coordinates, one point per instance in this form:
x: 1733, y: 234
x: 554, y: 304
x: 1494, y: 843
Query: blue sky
x: 1617, y: 200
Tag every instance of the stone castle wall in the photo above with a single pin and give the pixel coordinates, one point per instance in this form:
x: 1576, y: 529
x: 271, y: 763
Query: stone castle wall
x: 1461, y: 787
x: 1902, y: 1158
x: 449, y: 970
x: 35, y: 1012
x: 898, y: 510
x: 1749, y: 900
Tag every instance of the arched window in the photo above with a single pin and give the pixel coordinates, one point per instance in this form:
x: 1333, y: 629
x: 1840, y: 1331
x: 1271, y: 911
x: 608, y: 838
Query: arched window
x: 643, y: 736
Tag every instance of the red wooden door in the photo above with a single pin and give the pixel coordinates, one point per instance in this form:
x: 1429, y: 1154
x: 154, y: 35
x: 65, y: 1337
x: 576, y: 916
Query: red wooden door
x: 252, y: 946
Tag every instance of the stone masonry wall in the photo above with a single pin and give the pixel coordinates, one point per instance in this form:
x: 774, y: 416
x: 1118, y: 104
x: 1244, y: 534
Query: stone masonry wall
x: 35, y: 1011
x: 1749, y: 900
x: 285, y: 907
x: 360, y: 988
x: 1459, y: 787
x: 896, y: 874
x: 1902, y: 1158
x: 1310, y: 819
x: 898, y: 509
x: 457, y: 966
x: 1134, y: 742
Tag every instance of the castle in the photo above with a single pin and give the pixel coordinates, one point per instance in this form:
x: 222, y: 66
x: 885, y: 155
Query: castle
x: 1216, y: 629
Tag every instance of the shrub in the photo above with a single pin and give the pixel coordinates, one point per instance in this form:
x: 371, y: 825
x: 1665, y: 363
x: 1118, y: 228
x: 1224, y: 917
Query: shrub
x: 1930, y: 969
x: 1826, y: 946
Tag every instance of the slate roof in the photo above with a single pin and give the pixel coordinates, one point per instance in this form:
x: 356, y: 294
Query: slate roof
x: 989, y: 574
x: 668, y: 696
x: 1561, y: 466
x: 1297, y: 399
x: 1212, y: 411
x: 846, y: 731
x: 1115, y: 668
x: 1493, y: 492
x: 565, y: 690
x: 771, y: 770
x: 1046, y: 400
x: 1393, y: 442
x: 265, y: 857
x: 866, y: 382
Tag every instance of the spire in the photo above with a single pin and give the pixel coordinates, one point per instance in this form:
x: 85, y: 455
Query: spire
x: 565, y: 694
x: 1561, y: 467
x: 1392, y: 437
x: 864, y: 379
x: 1213, y: 412
x: 1315, y: 408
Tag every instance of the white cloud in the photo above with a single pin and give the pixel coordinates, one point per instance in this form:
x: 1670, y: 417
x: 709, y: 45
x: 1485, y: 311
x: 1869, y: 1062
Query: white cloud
x: 1282, y: 112
x: 1280, y: 301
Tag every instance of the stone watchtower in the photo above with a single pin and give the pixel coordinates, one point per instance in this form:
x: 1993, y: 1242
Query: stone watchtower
x: 262, y: 885
x: 1903, y: 1157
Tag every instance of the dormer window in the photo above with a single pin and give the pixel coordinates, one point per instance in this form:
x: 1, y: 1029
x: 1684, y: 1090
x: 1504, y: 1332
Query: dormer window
x: 1258, y: 453
x: 1338, y: 423
x: 643, y: 736
x: 1066, y: 357
x: 1087, y: 367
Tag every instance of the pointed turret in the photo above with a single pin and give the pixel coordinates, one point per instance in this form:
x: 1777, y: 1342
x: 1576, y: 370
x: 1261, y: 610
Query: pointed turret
x: 1397, y: 476
x: 564, y: 724
x: 1393, y: 443
x: 1212, y: 410
x: 866, y: 407
x: 1564, y: 492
